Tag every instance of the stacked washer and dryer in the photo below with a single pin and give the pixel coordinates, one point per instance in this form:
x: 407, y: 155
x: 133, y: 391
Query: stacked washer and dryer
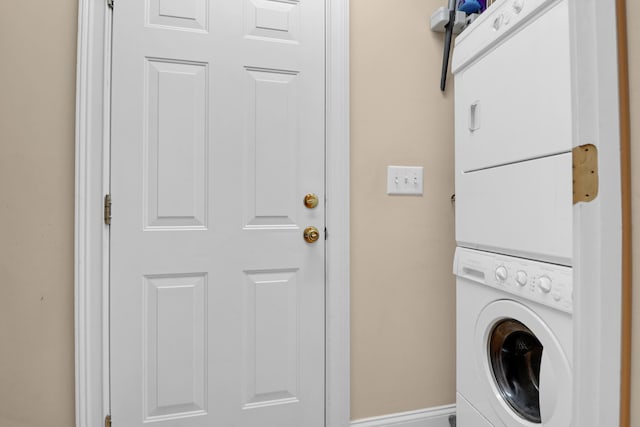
x: 513, y: 127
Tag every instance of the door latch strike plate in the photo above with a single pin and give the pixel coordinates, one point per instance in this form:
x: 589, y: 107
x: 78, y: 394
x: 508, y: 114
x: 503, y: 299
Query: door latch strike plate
x: 107, y: 421
x: 585, y: 173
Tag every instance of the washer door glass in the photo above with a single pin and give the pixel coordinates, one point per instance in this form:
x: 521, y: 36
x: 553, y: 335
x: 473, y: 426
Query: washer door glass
x: 515, y: 355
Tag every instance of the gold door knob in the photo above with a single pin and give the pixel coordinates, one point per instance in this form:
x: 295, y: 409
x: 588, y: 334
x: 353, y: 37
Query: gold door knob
x: 311, y: 234
x: 311, y: 200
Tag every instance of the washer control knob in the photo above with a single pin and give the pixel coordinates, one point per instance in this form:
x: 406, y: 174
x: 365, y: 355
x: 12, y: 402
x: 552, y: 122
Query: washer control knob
x: 521, y: 278
x: 518, y: 5
x: 544, y: 283
x: 501, y: 273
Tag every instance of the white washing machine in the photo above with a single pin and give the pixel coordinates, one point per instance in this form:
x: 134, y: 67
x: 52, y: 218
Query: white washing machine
x: 513, y: 131
x: 514, y: 341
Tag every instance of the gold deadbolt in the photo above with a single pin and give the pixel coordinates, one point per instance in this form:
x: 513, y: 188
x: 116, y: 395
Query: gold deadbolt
x: 311, y: 200
x: 311, y: 234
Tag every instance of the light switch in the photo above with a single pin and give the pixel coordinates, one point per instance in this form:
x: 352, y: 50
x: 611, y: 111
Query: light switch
x: 405, y: 180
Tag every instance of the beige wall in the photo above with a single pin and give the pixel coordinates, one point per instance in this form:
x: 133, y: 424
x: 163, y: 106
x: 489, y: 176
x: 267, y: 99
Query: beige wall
x: 37, y: 102
x: 633, y: 17
x: 402, y: 289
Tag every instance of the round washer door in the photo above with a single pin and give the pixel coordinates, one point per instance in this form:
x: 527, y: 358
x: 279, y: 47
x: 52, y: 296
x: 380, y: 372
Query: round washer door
x: 526, y: 373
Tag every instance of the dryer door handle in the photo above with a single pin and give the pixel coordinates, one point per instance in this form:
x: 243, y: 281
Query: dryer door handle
x: 474, y: 116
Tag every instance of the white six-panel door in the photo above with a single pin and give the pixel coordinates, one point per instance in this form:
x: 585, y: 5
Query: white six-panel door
x: 216, y: 301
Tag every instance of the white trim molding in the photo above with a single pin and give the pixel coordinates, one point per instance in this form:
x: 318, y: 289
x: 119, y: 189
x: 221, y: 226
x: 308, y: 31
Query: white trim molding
x: 338, y: 390
x: 597, y: 225
x: 430, y: 417
x: 92, y: 238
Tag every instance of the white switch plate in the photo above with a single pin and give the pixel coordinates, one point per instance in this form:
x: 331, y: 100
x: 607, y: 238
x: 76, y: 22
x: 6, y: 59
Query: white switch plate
x: 405, y: 180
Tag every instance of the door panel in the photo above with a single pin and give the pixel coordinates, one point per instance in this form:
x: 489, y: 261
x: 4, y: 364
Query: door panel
x: 176, y: 143
x: 272, y: 147
x: 179, y: 14
x: 174, y: 340
x: 271, y: 338
x: 216, y: 301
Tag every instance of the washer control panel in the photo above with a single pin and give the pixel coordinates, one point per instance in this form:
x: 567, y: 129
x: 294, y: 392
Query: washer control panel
x: 544, y: 283
x: 548, y: 284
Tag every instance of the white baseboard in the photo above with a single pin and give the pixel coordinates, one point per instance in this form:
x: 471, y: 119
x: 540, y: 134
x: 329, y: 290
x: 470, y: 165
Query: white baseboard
x: 430, y: 417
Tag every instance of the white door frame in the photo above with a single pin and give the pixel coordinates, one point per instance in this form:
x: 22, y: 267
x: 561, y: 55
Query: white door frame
x: 597, y: 225
x: 92, y: 238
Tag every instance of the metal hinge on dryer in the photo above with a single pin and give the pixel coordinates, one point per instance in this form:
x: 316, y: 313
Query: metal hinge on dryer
x: 107, y: 209
x: 585, y: 173
x: 107, y: 421
x: 110, y: 3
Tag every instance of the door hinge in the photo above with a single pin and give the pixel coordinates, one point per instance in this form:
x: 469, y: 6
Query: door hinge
x: 107, y: 421
x: 585, y: 173
x: 107, y: 209
x: 110, y: 3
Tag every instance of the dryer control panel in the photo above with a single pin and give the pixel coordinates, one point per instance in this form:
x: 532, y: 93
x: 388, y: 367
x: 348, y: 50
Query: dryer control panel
x: 547, y: 284
x: 497, y: 22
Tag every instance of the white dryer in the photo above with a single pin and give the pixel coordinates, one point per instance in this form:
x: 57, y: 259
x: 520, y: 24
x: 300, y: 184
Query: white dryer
x: 514, y: 341
x: 513, y: 131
